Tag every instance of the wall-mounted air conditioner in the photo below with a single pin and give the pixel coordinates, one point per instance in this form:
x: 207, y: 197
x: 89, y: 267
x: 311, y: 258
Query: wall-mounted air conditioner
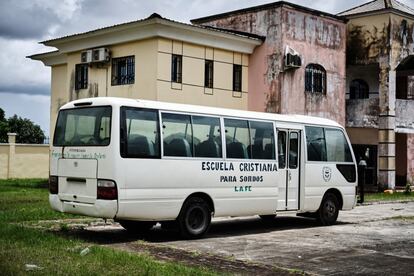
x: 101, y: 55
x: 292, y: 59
x: 86, y: 56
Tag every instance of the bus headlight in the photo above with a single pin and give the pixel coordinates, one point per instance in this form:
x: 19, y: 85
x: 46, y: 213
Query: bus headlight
x: 107, y: 190
x: 53, y: 184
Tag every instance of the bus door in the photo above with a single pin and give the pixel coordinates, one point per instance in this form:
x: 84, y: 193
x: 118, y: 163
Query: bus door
x: 289, y: 169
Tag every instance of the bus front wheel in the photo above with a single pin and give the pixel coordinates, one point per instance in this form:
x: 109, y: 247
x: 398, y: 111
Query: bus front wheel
x: 195, y: 218
x: 329, y: 209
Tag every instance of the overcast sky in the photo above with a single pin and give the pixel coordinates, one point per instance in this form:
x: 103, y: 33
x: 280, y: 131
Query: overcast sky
x: 25, y: 84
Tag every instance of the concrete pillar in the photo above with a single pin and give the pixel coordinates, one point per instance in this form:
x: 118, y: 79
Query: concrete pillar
x: 386, y: 125
x: 12, y: 151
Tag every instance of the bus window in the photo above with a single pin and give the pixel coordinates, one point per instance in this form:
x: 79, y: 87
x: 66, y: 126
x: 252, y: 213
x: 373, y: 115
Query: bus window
x: 293, y: 150
x: 142, y: 135
x: 337, y: 148
x: 281, y: 149
x: 237, y: 138
x: 261, y: 141
x: 178, y: 135
x: 83, y: 127
x: 315, y: 141
x: 207, y: 138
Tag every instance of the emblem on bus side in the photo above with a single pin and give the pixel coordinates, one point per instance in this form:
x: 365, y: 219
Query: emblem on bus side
x: 326, y: 173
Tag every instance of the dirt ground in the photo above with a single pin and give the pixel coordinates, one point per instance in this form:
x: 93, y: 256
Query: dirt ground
x: 369, y: 240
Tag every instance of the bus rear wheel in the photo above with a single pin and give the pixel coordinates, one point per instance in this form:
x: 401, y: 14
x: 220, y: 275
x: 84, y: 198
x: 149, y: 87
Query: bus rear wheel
x: 136, y: 226
x: 194, y: 219
x: 329, y: 209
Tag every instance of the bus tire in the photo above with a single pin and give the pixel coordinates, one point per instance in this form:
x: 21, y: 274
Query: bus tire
x: 329, y: 209
x: 136, y: 226
x: 194, y: 219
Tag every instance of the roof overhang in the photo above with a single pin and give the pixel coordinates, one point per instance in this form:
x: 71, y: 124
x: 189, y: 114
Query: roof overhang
x: 155, y: 27
x: 379, y: 12
x: 50, y: 58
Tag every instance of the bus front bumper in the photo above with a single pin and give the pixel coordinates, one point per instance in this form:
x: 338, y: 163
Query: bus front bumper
x: 100, y: 209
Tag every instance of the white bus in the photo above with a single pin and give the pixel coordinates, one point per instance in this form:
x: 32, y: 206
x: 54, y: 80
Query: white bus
x: 142, y: 162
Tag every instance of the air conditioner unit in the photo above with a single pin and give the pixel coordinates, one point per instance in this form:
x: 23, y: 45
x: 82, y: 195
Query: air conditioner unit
x: 101, y: 55
x: 86, y: 56
x: 292, y: 59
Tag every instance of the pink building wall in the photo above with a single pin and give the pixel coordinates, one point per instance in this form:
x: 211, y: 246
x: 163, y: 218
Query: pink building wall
x: 318, y: 39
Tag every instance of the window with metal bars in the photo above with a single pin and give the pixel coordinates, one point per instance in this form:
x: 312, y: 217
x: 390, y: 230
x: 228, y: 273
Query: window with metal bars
x: 176, y: 68
x: 315, y: 79
x: 81, y: 76
x: 123, y: 70
x: 208, y: 74
x: 237, y: 77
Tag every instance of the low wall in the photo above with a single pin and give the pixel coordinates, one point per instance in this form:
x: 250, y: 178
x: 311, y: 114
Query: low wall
x: 24, y: 161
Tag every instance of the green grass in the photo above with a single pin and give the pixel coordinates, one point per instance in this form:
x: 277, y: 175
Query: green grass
x: 396, y: 196
x: 23, y: 201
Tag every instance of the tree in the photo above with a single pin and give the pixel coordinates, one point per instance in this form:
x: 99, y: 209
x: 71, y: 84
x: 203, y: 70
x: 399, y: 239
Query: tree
x: 27, y: 131
x: 4, y: 128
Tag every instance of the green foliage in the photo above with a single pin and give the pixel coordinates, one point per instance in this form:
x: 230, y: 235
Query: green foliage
x: 4, y: 127
x: 27, y: 131
x: 54, y: 254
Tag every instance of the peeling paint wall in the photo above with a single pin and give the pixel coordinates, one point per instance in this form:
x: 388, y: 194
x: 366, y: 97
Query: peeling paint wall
x: 404, y: 112
x: 410, y: 158
x: 362, y: 113
x: 318, y: 40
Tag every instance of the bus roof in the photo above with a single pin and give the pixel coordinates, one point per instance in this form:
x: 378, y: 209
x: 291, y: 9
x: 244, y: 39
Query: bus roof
x: 113, y: 101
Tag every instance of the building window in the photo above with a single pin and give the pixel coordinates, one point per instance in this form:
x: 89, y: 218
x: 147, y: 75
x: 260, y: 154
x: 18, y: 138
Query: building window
x: 237, y: 77
x: 81, y: 72
x: 123, y: 70
x: 315, y: 79
x: 176, y: 68
x: 359, y: 89
x: 208, y: 74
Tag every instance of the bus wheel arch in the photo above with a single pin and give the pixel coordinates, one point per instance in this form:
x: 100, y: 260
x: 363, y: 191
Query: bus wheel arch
x: 338, y: 196
x: 195, y: 215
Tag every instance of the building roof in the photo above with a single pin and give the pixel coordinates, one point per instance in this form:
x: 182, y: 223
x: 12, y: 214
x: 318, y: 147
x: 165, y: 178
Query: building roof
x: 265, y: 7
x: 378, y: 5
x: 152, y: 26
x: 52, y: 42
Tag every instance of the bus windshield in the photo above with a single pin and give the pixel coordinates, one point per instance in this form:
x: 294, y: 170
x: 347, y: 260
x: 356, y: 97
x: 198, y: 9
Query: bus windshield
x: 89, y: 126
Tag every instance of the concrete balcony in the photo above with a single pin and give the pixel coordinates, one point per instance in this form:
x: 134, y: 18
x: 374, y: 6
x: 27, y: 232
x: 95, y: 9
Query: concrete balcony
x: 404, y: 112
x: 362, y: 113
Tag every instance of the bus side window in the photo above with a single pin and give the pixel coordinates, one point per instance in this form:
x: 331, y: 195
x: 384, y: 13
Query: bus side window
x: 261, y: 141
x: 315, y: 142
x: 237, y: 138
x: 142, y: 133
x: 337, y: 148
x: 207, y: 138
x: 281, y: 149
x: 178, y: 135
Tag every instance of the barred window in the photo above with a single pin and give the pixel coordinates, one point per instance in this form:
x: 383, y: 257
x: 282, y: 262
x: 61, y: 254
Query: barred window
x: 123, y: 70
x: 315, y: 79
x: 208, y: 74
x: 81, y: 79
x: 176, y: 68
x: 237, y: 77
x: 358, y: 89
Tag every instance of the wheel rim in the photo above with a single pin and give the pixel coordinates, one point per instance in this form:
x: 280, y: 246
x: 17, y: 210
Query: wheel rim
x: 330, y: 209
x: 196, y: 220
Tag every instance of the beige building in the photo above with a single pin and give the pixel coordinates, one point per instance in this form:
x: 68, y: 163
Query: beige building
x: 155, y: 59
